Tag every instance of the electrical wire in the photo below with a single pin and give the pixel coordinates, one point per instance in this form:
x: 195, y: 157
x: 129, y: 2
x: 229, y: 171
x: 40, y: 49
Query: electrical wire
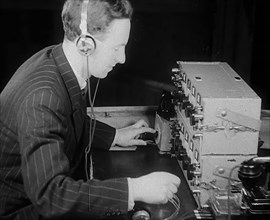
x: 176, y: 203
x: 187, y: 215
x: 92, y: 128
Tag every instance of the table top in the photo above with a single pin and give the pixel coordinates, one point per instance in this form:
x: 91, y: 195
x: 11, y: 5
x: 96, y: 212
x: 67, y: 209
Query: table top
x: 144, y: 160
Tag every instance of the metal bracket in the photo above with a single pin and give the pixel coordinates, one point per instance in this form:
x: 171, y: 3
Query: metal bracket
x: 239, y: 119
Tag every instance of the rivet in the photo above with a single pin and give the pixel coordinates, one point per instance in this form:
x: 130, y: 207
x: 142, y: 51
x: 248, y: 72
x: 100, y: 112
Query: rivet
x: 221, y: 170
x: 223, y: 113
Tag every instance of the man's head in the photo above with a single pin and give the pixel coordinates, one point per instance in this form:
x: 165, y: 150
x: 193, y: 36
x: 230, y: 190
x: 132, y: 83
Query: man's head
x: 108, y: 24
x: 100, y: 14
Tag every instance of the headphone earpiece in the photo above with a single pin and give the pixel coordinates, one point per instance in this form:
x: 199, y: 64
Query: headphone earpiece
x: 86, y: 44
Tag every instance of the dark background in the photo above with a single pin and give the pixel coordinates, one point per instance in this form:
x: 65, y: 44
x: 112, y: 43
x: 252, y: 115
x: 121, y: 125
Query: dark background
x: 233, y: 31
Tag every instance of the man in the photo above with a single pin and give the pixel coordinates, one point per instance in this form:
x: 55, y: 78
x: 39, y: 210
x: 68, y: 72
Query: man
x: 44, y: 128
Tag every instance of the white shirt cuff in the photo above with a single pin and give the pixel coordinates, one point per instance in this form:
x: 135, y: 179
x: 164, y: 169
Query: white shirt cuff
x: 130, y: 195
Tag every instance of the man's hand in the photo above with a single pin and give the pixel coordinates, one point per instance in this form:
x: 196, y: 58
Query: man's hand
x: 155, y: 188
x: 128, y: 136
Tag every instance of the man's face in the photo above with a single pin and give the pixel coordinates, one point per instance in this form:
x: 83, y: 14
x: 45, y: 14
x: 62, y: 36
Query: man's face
x: 111, y: 50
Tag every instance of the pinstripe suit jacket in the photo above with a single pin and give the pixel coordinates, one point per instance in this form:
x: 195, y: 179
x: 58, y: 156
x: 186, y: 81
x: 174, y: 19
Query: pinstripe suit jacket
x: 43, y: 134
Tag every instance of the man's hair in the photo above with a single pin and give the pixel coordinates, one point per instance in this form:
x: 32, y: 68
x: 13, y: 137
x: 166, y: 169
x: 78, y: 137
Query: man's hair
x: 100, y: 14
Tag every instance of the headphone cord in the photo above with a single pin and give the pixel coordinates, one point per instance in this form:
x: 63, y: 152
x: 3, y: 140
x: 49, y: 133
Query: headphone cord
x: 92, y: 128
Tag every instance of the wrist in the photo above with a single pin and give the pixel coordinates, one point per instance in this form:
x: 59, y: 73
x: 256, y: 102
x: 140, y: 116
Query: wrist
x: 116, y: 136
x: 135, y: 189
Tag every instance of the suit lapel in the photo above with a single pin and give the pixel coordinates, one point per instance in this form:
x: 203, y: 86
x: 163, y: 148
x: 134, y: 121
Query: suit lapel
x: 72, y: 86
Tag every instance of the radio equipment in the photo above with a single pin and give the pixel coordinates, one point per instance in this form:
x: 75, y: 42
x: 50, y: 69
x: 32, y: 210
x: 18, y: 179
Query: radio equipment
x: 215, y: 124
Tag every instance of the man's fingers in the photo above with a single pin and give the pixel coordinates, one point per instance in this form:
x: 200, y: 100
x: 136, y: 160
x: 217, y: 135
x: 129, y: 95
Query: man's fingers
x: 174, y: 179
x: 173, y: 188
x: 169, y: 195
x: 139, y: 131
x: 141, y: 123
x: 138, y: 142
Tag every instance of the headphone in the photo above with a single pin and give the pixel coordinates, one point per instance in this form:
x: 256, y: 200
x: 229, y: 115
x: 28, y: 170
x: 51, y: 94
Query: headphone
x: 86, y: 44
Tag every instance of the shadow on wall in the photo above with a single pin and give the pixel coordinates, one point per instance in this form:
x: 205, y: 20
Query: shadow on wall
x: 129, y: 91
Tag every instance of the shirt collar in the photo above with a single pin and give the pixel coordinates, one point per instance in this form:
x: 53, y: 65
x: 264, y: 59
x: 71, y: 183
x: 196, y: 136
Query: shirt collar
x: 81, y: 81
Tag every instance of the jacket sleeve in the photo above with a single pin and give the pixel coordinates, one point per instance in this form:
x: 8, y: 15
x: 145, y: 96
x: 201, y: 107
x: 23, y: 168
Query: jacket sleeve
x: 43, y: 134
x: 103, y: 136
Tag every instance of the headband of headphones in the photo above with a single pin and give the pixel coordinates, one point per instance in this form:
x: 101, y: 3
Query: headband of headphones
x: 86, y: 43
x: 83, y: 24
